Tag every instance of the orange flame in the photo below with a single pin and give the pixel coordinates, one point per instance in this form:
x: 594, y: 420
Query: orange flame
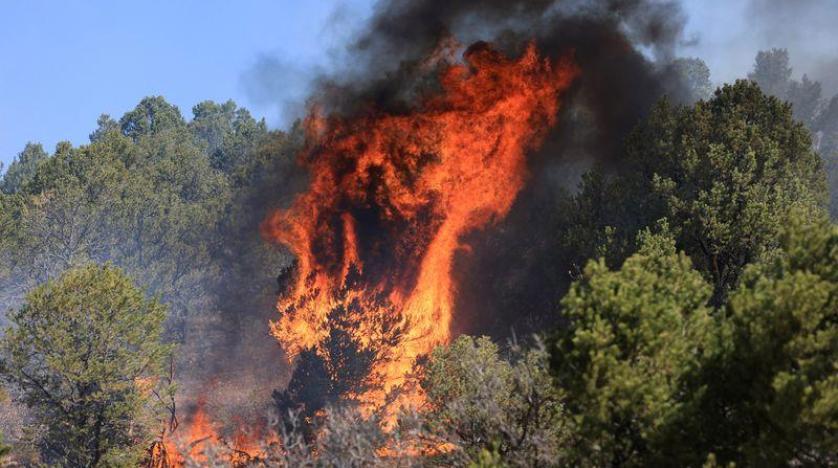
x: 199, y: 433
x: 392, y: 195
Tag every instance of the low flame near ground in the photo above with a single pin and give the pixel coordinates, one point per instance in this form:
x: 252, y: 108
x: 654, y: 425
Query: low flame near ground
x: 376, y: 233
x: 201, y: 434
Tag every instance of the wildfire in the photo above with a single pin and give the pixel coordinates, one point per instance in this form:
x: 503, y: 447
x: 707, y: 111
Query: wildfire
x: 200, y: 434
x: 391, y: 196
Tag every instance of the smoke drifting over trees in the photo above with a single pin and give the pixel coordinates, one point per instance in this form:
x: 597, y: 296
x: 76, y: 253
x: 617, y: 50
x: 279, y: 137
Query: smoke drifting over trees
x: 810, y: 37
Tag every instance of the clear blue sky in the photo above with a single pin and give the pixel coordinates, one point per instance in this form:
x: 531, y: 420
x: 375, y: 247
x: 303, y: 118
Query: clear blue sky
x: 62, y: 63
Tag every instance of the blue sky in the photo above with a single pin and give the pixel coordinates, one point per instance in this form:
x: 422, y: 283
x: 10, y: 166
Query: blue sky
x: 62, y: 63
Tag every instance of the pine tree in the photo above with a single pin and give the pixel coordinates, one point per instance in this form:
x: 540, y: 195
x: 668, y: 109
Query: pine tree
x: 86, y: 354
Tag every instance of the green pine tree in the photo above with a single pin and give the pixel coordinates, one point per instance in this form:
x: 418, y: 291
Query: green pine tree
x: 637, y: 339
x: 86, y: 354
x: 774, y: 400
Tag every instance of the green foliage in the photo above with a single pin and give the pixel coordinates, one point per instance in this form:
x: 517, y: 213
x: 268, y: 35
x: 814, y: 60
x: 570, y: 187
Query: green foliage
x: 827, y: 128
x: 727, y: 172
x: 152, y: 115
x: 724, y: 172
x: 782, y: 368
x: 497, y: 412
x: 150, y: 205
x: 464, y: 368
x: 654, y: 376
x: 730, y: 175
x: 708, y: 339
x: 805, y: 98
x: 85, y: 351
x: 695, y: 76
x: 105, y: 125
x: 637, y: 338
x: 827, y: 124
x: 146, y: 196
x: 10, y: 213
x: 23, y: 168
x: 230, y: 133
x: 772, y: 71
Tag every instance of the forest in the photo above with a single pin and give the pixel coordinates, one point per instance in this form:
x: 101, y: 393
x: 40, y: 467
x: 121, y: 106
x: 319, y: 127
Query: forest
x: 675, y: 304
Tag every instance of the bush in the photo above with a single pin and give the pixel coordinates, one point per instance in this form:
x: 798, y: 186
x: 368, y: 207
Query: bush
x: 480, y: 403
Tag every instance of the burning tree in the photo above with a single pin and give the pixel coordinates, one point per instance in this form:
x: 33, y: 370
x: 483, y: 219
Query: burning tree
x: 391, y: 196
x: 341, y: 368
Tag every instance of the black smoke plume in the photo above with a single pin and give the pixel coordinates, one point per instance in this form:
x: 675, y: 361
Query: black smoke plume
x: 515, y: 273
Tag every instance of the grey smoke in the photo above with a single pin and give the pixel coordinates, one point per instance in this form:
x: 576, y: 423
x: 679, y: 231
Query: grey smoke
x: 624, y: 49
x: 808, y: 29
x: 281, y: 85
x: 730, y: 33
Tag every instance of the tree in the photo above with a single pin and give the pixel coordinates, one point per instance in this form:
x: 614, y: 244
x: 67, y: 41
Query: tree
x: 150, y: 205
x: 10, y: 214
x: 86, y: 354
x: 772, y: 72
x: 170, y: 203
x: 637, y: 338
x: 340, y: 368
x: 826, y: 127
x: 50, y: 224
x: 151, y: 116
x: 230, y: 133
x: 104, y: 125
x: 777, y: 395
x: 724, y: 173
x: 819, y: 115
x: 694, y: 75
x: 22, y: 168
x: 805, y: 99
x: 729, y: 171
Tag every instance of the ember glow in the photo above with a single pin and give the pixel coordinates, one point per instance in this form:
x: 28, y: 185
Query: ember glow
x: 391, y: 195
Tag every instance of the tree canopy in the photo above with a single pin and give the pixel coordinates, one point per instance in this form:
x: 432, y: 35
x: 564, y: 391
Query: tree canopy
x: 779, y: 384
x: 637, y: 338
x: 23, y: 168
x: 86, y: 352
x: 723, y: 172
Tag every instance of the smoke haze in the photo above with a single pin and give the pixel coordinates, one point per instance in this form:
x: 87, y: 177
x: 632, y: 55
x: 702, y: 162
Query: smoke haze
x: 727, y: 35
